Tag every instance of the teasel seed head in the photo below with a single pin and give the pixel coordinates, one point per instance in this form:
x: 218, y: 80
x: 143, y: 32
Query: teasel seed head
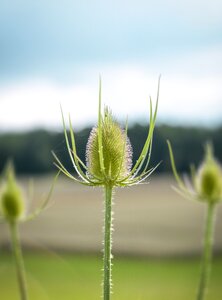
x: 13, y: 206
x: 12, y: 200
x: 117, y: 151
x: 208, y: 181
x: 109, y: 152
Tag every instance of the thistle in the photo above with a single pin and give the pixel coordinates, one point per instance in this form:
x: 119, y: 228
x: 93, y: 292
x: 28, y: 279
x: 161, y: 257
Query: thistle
x: 206, y: 186
x: 108, y: 164
x: 13, y: 212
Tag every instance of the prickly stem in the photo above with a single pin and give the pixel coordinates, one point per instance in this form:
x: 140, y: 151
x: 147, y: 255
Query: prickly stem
x: 207, y: 252
x: 107, y: 280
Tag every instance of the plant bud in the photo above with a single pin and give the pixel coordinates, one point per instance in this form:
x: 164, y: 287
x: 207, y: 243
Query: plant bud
x: 12, y: 203
x: 209, y: 178
x: 116, y: 150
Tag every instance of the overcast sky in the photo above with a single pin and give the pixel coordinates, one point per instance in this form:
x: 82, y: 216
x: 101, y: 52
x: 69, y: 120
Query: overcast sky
x: 52, y: 53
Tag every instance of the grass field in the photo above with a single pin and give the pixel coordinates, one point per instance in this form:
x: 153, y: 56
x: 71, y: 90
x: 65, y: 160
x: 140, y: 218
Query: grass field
x: 70, y: 277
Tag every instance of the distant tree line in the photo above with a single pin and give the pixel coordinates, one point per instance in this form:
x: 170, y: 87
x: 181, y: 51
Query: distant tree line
x: 31, y: 151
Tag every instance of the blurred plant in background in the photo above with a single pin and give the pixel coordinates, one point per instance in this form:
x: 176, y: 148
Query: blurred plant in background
x: 13, y: 211
x: 206, y: 186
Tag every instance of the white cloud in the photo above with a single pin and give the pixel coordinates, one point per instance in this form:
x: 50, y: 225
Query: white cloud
x: 125, y: 89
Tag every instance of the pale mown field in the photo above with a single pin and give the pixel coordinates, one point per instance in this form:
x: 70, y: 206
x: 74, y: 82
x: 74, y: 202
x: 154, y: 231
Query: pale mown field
x: 149, y: 219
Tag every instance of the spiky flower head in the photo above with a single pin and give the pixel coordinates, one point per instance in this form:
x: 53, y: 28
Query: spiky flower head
x: 117, y: 151
x: 109, y: 153
x: 12, y: 200
x: 206, y: 182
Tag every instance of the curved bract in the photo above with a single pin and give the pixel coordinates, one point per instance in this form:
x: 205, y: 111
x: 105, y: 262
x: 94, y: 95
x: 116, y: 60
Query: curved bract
x: 109, y: 152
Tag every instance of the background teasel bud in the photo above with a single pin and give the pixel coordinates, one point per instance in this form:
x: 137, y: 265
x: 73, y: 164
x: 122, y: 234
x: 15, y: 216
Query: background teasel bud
x: 207, y: 186
x: 117, y: 151
x: 12, y: 202
x: 13, y: 211
x: 208, y: 181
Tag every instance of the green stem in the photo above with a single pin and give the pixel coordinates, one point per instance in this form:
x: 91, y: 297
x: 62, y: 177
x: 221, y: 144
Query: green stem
x: 20, y: 269
x: 107, y: 244
x: 207, y: 252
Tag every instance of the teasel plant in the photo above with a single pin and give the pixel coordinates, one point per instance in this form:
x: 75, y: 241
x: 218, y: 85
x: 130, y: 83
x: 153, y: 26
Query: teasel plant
x: 13, y: 211
x: 109, y: 164
x: 205, y: 186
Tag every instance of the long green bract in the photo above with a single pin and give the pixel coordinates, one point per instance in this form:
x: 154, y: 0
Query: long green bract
x: 101, y: 159
x: 176, y: 175
x: 143, y: 176
x: 77, y: 160
x: 148, y: 156
x: 61, y: 167
x: 143, y: 154
x: 146, y: 145
x: 45, y: 201
x: 78, y: 170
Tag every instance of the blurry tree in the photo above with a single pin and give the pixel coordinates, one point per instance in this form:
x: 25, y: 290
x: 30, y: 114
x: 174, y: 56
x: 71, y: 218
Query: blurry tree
x: 31, y: 151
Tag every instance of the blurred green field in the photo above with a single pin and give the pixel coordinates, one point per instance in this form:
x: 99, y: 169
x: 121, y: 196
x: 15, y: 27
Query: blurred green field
x: 70, y: 277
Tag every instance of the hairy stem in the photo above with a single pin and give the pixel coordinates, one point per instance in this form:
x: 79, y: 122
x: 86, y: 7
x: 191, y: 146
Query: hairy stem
x: 207, y: 252
x: 20, y: 269
x: 107, y: 244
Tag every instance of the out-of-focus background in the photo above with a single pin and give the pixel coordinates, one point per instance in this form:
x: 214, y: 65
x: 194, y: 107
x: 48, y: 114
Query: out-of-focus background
x: 52, y: 53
